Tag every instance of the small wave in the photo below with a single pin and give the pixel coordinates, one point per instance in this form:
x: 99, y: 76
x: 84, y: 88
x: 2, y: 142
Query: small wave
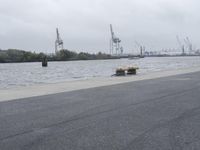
x: 77, y: 77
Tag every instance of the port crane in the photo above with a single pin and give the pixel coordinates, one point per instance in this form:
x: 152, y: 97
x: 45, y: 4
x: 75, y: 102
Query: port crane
x: 182, y: 46
x: 189, y: 44
x: 142, y: 48
x: 59, y: 45
x: 115, y: 43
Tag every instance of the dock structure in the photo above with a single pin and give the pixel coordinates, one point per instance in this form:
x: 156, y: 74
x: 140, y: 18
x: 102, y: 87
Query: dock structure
x: 44, y: 61
x: 122, y: 71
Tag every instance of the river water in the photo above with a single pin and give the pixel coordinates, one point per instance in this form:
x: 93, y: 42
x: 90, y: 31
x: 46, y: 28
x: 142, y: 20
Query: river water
x: 25, y: 74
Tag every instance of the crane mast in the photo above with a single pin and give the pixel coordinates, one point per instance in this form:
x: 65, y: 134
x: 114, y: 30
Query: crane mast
x: 59, y: 45
x: 57, y: 33
x: 112, y: 33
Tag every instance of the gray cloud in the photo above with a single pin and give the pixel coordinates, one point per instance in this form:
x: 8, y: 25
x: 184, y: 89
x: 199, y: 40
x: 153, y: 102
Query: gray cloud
x: 84, y: 24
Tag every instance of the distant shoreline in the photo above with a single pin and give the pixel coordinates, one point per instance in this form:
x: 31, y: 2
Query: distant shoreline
x: 111, y: 58
x: 58, y: 60
x: 100, y: 59
x: 21, y: 56
x: 18, y: 56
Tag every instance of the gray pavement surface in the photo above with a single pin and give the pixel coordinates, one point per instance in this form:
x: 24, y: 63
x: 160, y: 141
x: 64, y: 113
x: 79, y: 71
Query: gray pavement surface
x: 157, y: 114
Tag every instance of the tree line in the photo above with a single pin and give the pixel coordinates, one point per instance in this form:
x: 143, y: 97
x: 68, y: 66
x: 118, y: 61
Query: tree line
x: 15, y: 55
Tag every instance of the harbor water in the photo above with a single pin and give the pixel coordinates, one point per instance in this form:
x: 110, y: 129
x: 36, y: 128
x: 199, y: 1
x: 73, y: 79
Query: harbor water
x: 25, y: 74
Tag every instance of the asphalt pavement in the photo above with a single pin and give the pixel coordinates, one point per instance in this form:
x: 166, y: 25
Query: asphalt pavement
x: 157, y: 114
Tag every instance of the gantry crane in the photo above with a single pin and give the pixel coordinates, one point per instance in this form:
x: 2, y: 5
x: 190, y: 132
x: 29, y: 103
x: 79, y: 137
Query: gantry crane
x: 115, y: 43
x: 182, y: 46
x: 188, y: 44
x: 59, y: 45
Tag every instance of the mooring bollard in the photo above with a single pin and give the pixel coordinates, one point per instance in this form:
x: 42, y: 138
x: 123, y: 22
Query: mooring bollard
x: 126, y: 70
x: 120, y: 72
x: 132, y: 70
x: 44, y: 62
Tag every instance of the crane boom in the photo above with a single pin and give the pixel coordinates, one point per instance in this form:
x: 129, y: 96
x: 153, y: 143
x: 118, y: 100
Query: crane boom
x: 58, y: 42
x: 57, y: 33
x: 112, y: 33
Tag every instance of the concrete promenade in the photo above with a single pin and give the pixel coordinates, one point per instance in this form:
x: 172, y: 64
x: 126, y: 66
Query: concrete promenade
x: 46, y: 89
x: 152, y: 114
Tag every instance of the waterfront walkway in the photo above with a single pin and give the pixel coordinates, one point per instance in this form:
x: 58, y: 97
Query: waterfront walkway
x: 152, y: 114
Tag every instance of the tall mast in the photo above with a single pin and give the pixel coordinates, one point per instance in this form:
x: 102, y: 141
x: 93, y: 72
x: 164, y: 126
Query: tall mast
x: 59, y: 42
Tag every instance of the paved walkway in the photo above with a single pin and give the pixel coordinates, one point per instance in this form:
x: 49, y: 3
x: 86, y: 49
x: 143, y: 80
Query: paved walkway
x: 152, y: 114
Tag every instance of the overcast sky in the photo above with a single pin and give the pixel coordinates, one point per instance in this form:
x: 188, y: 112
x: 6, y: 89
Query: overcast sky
x: 84, y: 24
